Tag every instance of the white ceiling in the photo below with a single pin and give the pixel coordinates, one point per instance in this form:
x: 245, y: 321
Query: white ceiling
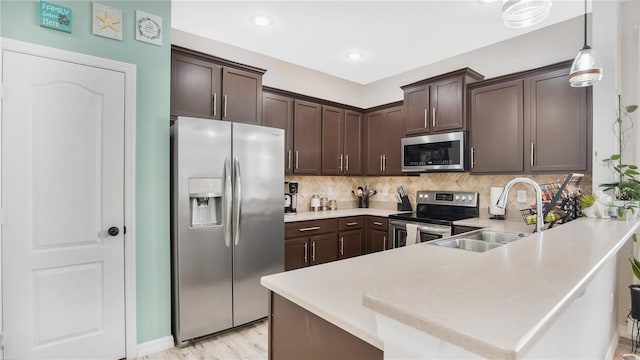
x: 394, y: 36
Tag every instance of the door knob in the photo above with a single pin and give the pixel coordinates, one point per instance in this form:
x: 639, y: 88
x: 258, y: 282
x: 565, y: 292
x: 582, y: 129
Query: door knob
x: 113, y: 231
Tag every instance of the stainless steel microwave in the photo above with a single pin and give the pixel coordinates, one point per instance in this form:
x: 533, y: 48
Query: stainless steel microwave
x: 436, y: 153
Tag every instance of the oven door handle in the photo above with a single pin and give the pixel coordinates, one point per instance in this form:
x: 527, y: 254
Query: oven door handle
x: 434, y: 230
x: 400, y: 224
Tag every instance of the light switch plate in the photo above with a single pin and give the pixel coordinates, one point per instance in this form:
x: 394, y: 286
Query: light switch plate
x: 522, y: 196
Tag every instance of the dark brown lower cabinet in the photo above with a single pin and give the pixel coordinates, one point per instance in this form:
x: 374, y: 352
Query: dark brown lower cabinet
x: 376, y: 234
x: 323, y: 248
x: 295, y: 254
x: 295, y: 333
x: 350, y: 243
x: 309, y: 243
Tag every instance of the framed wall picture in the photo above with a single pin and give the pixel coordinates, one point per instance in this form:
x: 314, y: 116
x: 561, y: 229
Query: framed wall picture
x: 54, y: 16
x: 148, y: 28
x: 107, y: 21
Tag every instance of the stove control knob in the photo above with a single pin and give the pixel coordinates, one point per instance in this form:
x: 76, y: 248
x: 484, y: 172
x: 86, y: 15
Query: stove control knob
x: 457, y: 197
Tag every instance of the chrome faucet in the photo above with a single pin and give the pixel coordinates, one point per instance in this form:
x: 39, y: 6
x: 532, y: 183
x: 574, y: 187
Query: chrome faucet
x: 502, y: 200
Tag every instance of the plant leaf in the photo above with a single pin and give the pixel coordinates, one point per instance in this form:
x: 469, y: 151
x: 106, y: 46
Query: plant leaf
x: 635, y: 268
x: 634, y: 237
x: 615, y: 157
x: 631, y: 108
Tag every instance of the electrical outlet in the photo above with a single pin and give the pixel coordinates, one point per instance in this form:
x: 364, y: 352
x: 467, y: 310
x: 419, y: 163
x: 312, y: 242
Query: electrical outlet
x: 522, y: 196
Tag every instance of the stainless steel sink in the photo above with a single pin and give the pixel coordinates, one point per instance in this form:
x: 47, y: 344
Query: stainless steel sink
x: 478, y: 241
x: 467, y: 244
x: 492, y: 236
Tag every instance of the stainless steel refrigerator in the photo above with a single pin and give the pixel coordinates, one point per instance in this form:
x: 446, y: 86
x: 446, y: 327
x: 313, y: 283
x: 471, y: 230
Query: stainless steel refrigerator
x: 227, y: 223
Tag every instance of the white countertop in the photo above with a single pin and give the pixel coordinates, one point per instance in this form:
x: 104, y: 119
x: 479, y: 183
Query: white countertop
x: 317, y: 215
x: 469, y: 299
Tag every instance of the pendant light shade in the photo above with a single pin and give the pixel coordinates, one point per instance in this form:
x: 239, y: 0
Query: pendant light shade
x: 586, y: 69
x: 523, y: 13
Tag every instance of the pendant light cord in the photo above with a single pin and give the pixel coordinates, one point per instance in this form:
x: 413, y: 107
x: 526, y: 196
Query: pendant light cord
x: 585, y: 23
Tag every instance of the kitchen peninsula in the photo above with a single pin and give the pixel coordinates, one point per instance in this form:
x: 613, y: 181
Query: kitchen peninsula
x: 431, y: 301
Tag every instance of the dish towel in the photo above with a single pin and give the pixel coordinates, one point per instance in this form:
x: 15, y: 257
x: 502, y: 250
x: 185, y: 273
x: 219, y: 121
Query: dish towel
x: 412, y: 234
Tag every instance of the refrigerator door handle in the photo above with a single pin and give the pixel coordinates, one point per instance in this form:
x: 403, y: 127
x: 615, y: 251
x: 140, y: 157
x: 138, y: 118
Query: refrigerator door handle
x: 228, y: 204
x: 238, y: 199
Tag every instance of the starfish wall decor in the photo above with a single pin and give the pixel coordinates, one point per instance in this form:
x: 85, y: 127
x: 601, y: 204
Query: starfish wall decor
x: 107, y: 21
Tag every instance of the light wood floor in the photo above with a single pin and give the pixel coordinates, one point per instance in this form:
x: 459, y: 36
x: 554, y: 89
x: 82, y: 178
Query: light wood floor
x: 246, y: 343
x: 251, y: 343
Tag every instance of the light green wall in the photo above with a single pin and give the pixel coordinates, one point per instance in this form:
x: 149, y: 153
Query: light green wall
x: 20, y: 20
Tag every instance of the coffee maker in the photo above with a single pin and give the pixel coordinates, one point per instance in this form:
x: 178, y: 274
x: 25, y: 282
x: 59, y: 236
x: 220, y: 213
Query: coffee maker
x: 291, y: 196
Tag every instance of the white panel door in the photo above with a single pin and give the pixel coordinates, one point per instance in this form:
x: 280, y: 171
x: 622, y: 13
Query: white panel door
x: 62, y: 189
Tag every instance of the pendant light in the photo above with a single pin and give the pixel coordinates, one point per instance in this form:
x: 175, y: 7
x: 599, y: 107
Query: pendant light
x: 586, y: 69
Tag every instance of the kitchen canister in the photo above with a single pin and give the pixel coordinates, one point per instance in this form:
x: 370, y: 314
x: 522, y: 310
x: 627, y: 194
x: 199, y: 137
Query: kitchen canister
x: 324, y: 204
x: 333, y: 205
x: 315, y: 202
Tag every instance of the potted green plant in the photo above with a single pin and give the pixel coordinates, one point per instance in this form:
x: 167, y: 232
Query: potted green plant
x: 635, y: 288
x: 627, y: 188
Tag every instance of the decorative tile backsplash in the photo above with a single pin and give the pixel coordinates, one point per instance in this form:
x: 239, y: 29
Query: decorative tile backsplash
x: 339, y: 188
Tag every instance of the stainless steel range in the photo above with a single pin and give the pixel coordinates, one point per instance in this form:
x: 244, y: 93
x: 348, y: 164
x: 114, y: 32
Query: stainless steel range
x: 434, y: 216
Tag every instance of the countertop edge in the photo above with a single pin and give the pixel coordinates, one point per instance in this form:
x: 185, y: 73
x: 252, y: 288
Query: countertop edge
x: 487, y: 349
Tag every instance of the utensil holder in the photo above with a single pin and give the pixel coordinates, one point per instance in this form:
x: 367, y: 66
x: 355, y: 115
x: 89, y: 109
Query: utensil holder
x: 363, y: 201
x: 405, y: 205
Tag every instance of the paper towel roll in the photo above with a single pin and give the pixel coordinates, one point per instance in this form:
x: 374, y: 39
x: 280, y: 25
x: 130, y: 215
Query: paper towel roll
x: 493, y: 198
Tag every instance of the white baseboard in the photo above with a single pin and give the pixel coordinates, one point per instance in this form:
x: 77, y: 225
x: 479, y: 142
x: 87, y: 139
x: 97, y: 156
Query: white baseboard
x: 613, y: 345
x: 154, y: 346
x: 624, y: 331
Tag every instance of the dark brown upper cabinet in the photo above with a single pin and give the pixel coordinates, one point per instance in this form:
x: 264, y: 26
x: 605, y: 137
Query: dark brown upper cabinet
x: 307, y: 132
x: 196, y: 87
x: 209, y: 87
x: 497, y: 127
x: 555, y: 123
x: 241, y: 96
x: 532, y: 121
x: 437, y: 104
x: 382, y: 141
x: 277, y: 112
x: 341, y: 141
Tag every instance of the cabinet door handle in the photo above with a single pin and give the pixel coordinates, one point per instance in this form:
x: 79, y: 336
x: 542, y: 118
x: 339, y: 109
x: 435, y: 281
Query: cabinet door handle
x: 341, y: 159
x: 289, y: 159
x: 384, y: 242
x: 313, y: 251
x: 384, y: 163
x: 305, y: 253
x: 215, y: 104
x: 224, y: 112
x: 297, y: 159
x: 433, y: 117
x: 377, y: 223
x: 309, y: 228
x: 473, y: 160
x: 341, y: 245
x: 532, y: 158
x: 346, y: 160
x: 425, y: 118
x: 352, y: 223
x: 380, y: 163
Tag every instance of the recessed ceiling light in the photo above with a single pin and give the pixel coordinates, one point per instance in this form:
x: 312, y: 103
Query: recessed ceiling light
x: 261, y: 20
x: 523, y: 13
x: 487, y: 1
x: 355, y: 55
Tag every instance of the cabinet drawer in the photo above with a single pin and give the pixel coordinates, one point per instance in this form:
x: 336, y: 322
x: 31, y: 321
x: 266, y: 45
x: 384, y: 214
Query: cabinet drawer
x: 351, y: 223
x: 378, y: 223
x: 308, y: 228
